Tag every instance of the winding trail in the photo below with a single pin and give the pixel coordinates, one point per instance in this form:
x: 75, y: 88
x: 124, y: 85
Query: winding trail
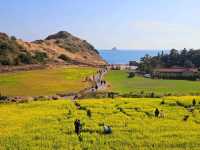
x: 97, y: 84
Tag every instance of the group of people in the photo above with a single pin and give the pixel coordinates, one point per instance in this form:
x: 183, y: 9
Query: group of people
x: 159, y: 113
x: 78, y: 128
x: 97, y: 80
x: 108, y: 129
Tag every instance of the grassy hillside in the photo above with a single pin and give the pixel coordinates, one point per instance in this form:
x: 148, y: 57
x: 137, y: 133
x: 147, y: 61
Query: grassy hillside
x: 121, y: 83
x: 61, y: 47
x: 49, y: 124
x: 44, y: 82
x: 12, y: 53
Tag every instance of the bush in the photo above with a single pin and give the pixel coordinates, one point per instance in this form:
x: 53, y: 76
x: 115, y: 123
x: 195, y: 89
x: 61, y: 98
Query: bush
x: 131, y: 74
x: 25, y: 58
x: 40, y: 56
x: 4, y: 46
x: 5, y: 61
x: 64, y: 57
x: 13, y: 38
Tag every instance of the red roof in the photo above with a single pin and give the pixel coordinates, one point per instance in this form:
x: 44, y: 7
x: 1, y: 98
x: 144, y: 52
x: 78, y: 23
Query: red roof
x: 176, y: 70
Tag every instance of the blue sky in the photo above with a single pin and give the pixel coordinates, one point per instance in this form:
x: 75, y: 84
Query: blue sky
x: 129, y: 24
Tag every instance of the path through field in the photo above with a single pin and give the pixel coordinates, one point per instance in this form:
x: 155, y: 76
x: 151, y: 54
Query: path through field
x: 97, y: 82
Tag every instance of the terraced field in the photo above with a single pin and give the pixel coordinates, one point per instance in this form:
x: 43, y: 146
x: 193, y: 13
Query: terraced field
x: 120, y: 82
x: 44, y: 82
x: 49, y: 124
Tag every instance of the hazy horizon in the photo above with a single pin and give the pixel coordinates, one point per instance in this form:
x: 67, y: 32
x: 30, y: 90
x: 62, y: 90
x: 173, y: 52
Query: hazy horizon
x: 134, y: 49
x: 131, y: 24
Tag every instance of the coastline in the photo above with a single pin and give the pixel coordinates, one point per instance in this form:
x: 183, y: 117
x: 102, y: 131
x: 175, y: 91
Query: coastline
x: 123, y: 56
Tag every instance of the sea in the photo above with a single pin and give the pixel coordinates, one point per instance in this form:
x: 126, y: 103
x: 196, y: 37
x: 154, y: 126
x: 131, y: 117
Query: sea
x: 124, y: 56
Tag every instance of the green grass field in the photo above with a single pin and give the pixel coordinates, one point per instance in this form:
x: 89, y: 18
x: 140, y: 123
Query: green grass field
x: 44, y: 82
x: 121, y: 83
x: 49, y: 125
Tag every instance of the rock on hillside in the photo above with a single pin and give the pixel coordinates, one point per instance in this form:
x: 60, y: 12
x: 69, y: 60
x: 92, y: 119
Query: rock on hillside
x: 61, y: 47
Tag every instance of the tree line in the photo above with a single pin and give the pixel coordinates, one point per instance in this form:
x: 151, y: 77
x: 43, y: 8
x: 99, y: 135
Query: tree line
x: 183, y: 58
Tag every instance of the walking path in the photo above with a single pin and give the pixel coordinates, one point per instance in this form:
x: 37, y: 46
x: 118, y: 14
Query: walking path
x: 97, y: 84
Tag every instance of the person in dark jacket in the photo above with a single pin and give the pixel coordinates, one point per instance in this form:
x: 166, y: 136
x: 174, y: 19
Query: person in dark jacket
x: 157, y: 112
x: 77, y: 125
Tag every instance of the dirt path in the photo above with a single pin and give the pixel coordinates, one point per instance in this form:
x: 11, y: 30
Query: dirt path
x: 98, y: 83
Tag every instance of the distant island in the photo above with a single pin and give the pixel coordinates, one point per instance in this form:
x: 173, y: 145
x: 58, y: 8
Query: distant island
x: 114, y: 48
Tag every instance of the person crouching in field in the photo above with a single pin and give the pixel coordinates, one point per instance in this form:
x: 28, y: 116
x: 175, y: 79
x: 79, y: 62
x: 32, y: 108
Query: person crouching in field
x: 77, y: 125
x: 162, y: 115
x: 107, y: 129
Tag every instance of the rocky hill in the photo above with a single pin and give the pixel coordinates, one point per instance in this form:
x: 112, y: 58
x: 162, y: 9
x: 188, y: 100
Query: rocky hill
x: 61, y: 47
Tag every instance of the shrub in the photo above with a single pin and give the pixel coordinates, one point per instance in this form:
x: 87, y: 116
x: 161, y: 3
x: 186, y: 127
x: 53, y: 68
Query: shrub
x: 40, y: 56
x: 131, y: 74
x: 4, y: 46
x: 11, y: 53
x: 13, y: 38
x: 64, y: 57
x: 25, y: 58
x: 5, y: 61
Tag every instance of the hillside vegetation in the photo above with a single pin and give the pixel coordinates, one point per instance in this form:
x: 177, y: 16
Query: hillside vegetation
x: 45, y: 82
x: 49, y: 124
x: 120, y: 83
x: 61, y: 47
x: 12, y: 53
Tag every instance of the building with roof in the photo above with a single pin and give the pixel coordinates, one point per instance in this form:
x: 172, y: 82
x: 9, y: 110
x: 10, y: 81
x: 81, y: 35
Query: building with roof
x: 175, y: 73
